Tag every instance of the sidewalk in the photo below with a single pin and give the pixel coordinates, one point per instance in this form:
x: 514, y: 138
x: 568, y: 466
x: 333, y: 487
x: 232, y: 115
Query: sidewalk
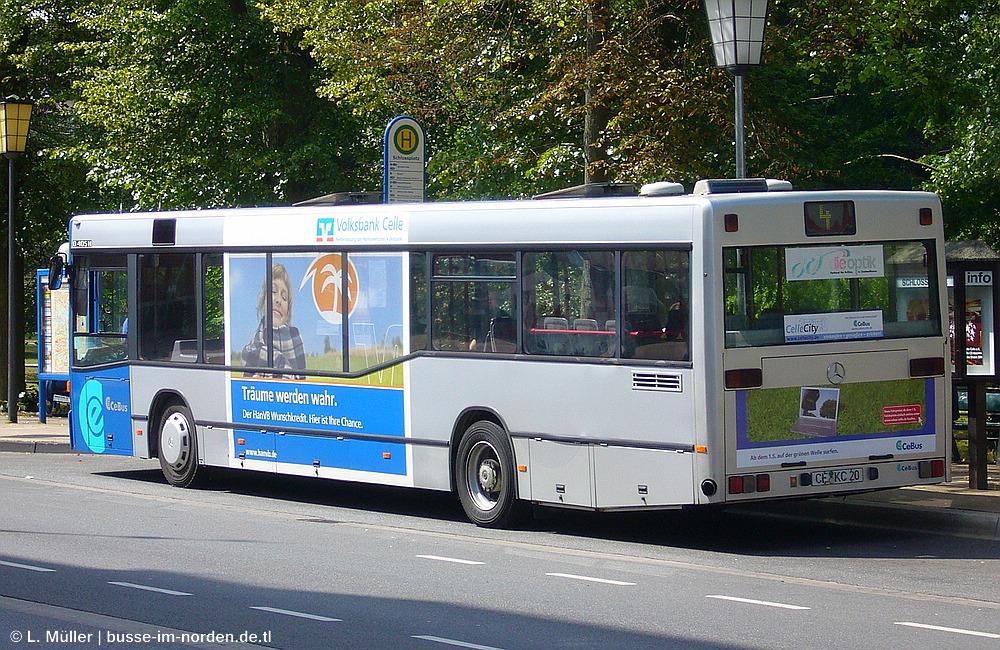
x: 30, y: 435
x: 949, y: 507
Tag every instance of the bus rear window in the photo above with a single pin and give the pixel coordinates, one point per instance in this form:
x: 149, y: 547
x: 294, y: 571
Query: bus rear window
x: 776, y: 295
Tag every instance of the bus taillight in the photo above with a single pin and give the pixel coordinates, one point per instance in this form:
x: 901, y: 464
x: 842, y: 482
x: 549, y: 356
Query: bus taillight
x: 927, y: 367
x: 763, y: 482
x: 931, y: 468
x: 749, y: 483
x: 744, y: 378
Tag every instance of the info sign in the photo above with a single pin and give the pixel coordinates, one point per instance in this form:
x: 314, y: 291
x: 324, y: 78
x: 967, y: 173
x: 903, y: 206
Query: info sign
x: 404, y: 178
x: 979, y: 325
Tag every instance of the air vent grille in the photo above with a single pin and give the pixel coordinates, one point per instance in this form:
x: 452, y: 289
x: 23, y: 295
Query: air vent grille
x: 656, y: 381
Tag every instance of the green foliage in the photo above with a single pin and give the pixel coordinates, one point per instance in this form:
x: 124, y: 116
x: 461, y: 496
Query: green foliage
x: 966, y: 172
x: 904, y: 96
x: 197, y: 103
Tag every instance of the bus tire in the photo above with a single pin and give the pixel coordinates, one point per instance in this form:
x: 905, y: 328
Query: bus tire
x: 178, y: 445
x: 485, y: 478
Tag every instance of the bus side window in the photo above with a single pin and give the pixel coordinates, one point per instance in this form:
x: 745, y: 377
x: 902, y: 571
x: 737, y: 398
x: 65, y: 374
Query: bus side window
x: 213, y: 323
x: 168, y: 314
x: 471, y: 294
x: 418, y: 301
x: 656, y: 296
x: 569, y: 304
x: 101, y: 306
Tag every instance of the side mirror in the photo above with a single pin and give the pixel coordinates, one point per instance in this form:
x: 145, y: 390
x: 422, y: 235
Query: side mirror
x: 56, y: 267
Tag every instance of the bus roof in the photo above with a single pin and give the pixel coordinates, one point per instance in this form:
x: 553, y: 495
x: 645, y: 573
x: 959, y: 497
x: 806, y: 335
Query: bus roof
x: 584, y: 221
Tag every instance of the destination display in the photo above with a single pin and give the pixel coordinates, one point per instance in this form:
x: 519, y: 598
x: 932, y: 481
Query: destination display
x: 829, y: 218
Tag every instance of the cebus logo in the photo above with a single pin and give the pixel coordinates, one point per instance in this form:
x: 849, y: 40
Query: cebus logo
x: 91, y: 410
x: 326, y: 274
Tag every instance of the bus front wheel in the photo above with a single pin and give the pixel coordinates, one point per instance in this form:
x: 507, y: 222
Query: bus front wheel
x: 485, y: 477
x: 178, y: 446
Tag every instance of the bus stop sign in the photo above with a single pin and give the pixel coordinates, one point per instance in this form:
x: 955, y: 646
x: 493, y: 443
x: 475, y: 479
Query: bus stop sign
x: 404, y: 175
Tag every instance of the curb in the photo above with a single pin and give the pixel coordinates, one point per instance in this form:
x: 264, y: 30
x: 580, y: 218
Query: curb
x: 35, y: 447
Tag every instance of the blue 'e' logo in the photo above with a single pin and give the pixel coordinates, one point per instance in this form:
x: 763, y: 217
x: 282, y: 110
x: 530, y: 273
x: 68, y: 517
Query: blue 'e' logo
x: 91, y: 410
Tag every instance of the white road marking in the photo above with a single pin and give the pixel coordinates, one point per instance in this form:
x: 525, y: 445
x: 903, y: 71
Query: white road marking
x: 460, y: 644
x: 169, y: 592
x: 77, y: 618
x: 289, y: 612
x: 751, y: 601
x: 590, y: 579
x: 29, y: 567
x: 954, y: 630
x: 449, y: 559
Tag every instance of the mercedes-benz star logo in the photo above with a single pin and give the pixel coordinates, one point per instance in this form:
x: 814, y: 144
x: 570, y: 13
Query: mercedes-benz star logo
x: 835, y: 372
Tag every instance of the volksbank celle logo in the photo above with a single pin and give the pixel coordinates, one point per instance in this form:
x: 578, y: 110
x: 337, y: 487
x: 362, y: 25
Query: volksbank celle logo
x: 361, y: 228
x: 326, y: 230
x: 91, y: 415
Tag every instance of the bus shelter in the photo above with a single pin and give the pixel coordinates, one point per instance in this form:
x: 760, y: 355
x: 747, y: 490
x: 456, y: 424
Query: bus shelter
x: 973, y: 302
x: 53, y: 342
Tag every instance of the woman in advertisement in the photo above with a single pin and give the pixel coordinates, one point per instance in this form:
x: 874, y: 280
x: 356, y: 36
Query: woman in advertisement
x: 289, y: 353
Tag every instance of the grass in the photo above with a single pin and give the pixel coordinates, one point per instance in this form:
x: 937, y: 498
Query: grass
x: 771, y: 413
x: 333, y: 362
x: 30, y: 362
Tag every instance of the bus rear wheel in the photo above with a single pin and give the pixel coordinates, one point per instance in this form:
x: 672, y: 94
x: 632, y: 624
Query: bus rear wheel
x: 485, y: 476
x: 178, y: 446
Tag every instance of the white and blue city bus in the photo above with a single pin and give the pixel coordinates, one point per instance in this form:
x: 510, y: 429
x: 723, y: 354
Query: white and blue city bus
x: 640, y: 352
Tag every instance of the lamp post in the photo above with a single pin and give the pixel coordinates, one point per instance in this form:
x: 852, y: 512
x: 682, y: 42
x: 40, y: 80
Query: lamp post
x: 737, y: 28
x: 14, y: 118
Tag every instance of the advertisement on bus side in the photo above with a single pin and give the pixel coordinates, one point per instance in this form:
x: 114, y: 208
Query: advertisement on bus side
x: 314, y: 326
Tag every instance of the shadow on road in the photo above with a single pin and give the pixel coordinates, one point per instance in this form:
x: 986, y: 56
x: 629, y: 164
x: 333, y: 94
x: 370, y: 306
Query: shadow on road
x: 775, y: 529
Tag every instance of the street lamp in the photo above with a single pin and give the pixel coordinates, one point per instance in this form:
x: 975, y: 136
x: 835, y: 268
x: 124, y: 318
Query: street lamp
x: 737, y: 38
x: 14, y: 118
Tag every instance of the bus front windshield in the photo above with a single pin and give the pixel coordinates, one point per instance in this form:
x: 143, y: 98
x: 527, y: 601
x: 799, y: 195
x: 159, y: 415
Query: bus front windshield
x: 784, y: 294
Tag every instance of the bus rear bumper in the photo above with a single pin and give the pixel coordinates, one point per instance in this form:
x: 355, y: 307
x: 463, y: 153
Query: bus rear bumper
x: 840, y: 479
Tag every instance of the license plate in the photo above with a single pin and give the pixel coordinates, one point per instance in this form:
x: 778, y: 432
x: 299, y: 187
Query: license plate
x: 838, y: 476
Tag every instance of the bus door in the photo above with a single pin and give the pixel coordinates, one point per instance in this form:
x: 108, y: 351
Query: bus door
x: 100, y: 421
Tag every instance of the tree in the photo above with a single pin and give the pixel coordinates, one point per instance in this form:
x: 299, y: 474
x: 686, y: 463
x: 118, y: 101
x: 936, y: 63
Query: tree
x: 966, y: 170
x: 904, y: 95
x: 470, y: 72
x: 198, y: 103
x: 34, y: 64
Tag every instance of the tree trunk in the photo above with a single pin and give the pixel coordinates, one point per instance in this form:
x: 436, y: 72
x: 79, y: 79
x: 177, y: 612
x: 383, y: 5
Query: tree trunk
x: 597, y: 113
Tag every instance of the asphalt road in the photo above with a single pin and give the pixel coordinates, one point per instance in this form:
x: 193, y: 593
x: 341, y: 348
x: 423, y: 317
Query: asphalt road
x: 99, y: 551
